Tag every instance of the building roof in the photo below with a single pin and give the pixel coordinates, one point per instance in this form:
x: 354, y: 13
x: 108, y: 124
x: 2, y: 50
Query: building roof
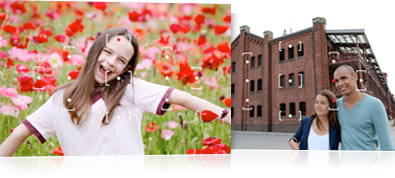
x: 346, y: 41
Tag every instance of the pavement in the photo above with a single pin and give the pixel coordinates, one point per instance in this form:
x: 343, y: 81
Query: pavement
x: 271, y: 140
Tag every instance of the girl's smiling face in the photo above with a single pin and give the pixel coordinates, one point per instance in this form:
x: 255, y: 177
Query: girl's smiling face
x: 113, y: 59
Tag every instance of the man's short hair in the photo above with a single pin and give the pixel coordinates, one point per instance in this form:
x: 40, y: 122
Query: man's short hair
x: 348, y: 68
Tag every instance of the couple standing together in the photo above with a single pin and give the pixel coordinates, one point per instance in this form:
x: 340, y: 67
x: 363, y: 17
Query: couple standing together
x: 357, y: 120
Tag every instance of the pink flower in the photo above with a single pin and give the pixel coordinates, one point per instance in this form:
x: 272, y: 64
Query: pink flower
x: 55, y: 60
x: 151, y: 52
x: 21, y: 54
x: 212, y: 83
x: 21, y: 102
x: 9, y: 110
x: 167, y: 134
x: 8, y: 92
x: 3, y: 42
x: 77, y: 59
x: 145, y: 64
x: 172, y: 124
x: 182, y: 46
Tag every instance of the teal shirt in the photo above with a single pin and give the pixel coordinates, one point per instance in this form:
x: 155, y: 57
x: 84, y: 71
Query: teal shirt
x: 364, y: 126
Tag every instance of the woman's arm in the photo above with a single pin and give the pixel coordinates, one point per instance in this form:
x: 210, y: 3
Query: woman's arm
x: 196, y: 104
x: 12, y: 143
x: 295, y: 139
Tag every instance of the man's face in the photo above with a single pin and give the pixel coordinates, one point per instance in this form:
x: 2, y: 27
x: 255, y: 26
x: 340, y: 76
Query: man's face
x: 345, y: 82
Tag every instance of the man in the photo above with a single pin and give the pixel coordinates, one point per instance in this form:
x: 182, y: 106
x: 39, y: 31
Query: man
x: 363, y: 119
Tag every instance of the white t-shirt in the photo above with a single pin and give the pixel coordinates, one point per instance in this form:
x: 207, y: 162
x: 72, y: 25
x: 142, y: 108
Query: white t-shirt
x: 122, y: 136
x: 317, y: 142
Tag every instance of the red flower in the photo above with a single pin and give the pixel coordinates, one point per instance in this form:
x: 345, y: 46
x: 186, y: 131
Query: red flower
x: 151, y: 127
x: 164, y: 39
x: 73, y: 74
x: 228, y: 102
x: 20, y: 68
x: 60, y: 38
x: 65, y: 54
x: 199, y: 19
x: 49, y: 80
x: 211, y: 141
x: 74, y: 27
x: 44, y: 69
x: 12, y: 130
x: 207, y: 116
x: 28, y: 26
x: 100, y: 5
x: 40, y: 85
x: 58, y: 151
x: 41, y: 38
x: 219, y: 29
x: 227, y: 18
x: 175, y: 28
x: 186, y: 74
x: 79, y: 12
x: 26, y: 83
x: 201, y: 40
x: 9, y: 62
x: 227, y: 70
x: 224, y: 47
x: 209, y: 10
x: 10, y: 29
x: 16, y: 41
x: 134, y: 16
x: 212, y: 61
x: 217, y: 149
x: 3, y: 16
x: 164, y: 68
x: 195, y: 151
x: 18, y: 8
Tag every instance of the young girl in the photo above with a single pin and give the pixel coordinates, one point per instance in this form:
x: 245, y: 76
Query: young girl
x: 100, y: 112
x: 320, y: 131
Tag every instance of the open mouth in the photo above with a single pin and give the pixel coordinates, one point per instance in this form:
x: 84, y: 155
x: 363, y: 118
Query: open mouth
x: 103, y: 71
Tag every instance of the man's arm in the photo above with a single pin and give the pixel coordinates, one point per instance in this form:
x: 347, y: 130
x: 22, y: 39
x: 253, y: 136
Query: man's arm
x: 381, y: 126
x: 12, y: 143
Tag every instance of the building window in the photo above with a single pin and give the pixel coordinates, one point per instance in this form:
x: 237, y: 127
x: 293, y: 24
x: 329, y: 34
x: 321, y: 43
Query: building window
x: 259, y: 111
x: 231, y: 112
x: 252, y: 85
x: 282, y: 81
x: 292, y: 110
x: 252, y: 61
x: 259, y: 83
x: 232, y: 90
x: 302, y: 108
x: 283, y: 109
x: 233, y: 66
x: 290, y: 52
x: 291, y: 80
x: 282, y: 55
x: 301, y: 79
x: 260, y: 60
x: 252, y: 111
x: 300, y: 50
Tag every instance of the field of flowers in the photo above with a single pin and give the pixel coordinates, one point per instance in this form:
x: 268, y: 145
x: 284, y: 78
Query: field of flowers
x: 185, y: 46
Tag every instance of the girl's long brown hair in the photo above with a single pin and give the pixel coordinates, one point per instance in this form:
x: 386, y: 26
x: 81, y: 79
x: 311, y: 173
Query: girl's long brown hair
x: 332, y: 115
x: 81, y: 90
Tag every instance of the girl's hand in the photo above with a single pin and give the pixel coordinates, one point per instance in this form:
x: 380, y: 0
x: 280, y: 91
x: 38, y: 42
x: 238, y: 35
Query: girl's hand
x: 294, y: 145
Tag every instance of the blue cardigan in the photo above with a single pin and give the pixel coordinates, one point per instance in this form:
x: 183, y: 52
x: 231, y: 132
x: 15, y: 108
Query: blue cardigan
x: 303, y: 133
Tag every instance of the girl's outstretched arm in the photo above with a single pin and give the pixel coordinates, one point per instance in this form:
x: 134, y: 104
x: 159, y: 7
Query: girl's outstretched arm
x: 196, y: 104
x: 12, y: 143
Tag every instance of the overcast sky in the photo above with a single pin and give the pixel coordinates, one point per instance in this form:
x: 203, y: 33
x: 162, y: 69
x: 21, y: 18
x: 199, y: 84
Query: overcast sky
x: 376, y: 17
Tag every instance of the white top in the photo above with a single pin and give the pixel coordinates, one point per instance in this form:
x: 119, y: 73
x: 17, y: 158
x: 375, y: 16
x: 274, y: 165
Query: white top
x: 317, y: 142
x: 122, y: 136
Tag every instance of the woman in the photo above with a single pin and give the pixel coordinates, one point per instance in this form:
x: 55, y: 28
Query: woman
x: 322, y: 130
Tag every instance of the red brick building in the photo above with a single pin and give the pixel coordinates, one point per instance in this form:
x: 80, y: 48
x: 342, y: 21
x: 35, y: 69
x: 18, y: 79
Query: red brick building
x: 275, y: 81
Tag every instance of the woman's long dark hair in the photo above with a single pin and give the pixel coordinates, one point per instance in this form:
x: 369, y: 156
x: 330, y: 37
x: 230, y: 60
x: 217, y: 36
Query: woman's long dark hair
x: 81, y: 90
x: 332, y: 115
